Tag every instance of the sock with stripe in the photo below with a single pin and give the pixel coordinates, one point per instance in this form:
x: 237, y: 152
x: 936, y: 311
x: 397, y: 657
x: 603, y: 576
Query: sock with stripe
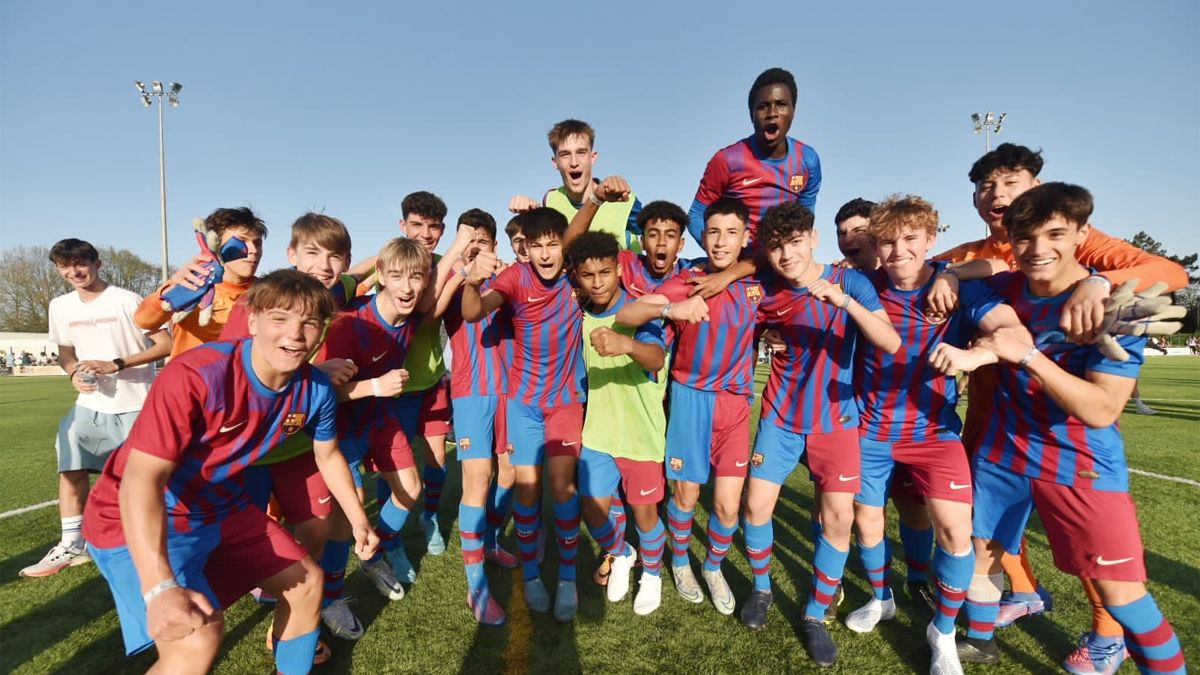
x: 525, y: 520
x: 391, y: 520
x: 616, y: 512
x: 566, y: 532
x: 760, y: 540
x: 953, y: 572
x: 609, y: 538
x: 294, y: 656
x: 499, y: 500
x: 680, y: 524
x: 650, y: 546
x: 1149, y: 637
x: 432, y: 479
x: 472, y: 520
x: 828, y: 564
x: 333, y: 562
x: 720, y: 538
x: 983, y: 605
x: 877, y: 562
x: 72, y: 531
x: 918, y: 551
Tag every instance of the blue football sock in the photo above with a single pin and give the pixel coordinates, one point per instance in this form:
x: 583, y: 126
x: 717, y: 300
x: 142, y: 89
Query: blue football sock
x: 828, y: 565
x: 1149, y: 637
x: 760, y: 541
x: 471, y: 523
x: 525, y: 519
x: 680, y: 524
x: 651, y: 545
x: 953, y: 574
x: 876, y: 562
x: 720, y: 538
x: 295, y: 656
x: 566, y: 531
x: 918, y: 551
x: 333, y: 562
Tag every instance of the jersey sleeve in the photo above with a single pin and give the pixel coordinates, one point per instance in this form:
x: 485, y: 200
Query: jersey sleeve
x: 862, y: 290
x: 812, y: 162
x: 651, y: 333
x: 338, y: 340
x: 150, y: 315
x: 675, y: 289
x: 1119, y: 261
x: 323, y: 423
x: 237, y: 325
x: 976, y: 299
x: 713, y: 183
x: 631, y: 225
x: 175, y: 406
x: 508, y: 282
x: 1128, y: 368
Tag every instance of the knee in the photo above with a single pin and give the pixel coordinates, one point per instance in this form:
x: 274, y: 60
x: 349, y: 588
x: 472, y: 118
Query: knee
x: 727, y: 510
x: 562, y: 488
x: 312, y: 535
x: 836, y: 521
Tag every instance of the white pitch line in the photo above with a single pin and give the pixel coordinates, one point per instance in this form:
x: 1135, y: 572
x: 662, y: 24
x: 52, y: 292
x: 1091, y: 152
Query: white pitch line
x: 1173, y: 479
x: 27, y: 509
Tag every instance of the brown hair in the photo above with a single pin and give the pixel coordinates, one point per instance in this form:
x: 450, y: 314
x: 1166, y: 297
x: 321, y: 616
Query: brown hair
x: 325, y: 231
x: 899, y: 211
x: 567, y: 128
x: 405, y: 255
x: 241, y: 217
x: 288, y: 288
x: 1039, y: 204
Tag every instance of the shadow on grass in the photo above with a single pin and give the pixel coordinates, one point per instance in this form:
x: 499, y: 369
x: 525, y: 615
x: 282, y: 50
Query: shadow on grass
x: 25, y: 636
x: 11, y: 566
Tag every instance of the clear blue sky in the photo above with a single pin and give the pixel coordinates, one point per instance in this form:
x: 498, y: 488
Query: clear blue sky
x: 346, y: 108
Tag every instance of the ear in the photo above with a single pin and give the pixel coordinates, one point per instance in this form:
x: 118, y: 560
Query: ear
x: 1084, y: 230
x: 252, y: 324
x: 816, y: 239
x: 291, y: 256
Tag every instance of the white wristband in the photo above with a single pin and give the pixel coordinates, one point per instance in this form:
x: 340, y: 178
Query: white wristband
x: 1097, y: 279
x: 158, y: 589
x: 666, y: 309
x: 845, y: 302
x: 592, y: 198
x: 1029, y: 355
x: 375, y: 386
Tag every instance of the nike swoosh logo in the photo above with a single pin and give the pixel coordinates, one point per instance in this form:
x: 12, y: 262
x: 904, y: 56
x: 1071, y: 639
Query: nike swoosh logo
x: 741, y: 464
x: 846, y: 479
x: 784, y: 311
x: 1101, y: 561
x: 648, y: 492
x: 565, y: 444
x: 376, y: 358
x: 325, y: 499
x: 533, y: 299
x: 956, y: 486
x: 233, y: 426
x: 750, y: 181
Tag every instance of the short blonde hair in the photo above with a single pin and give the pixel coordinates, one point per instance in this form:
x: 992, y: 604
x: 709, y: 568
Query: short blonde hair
x: 405, y: 255
x: 899, y: 211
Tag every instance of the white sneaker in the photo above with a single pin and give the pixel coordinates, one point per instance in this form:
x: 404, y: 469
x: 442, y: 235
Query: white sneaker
x: 685, y: 584
x: 341, y: 621
x: 380, y: 573
x: 945, y: 653
x: 618, y: 577
x: 57, y: 559
x: 865, y: 618
x: 1143, y: 409
x: 649, y: 595
x: 718, y: 589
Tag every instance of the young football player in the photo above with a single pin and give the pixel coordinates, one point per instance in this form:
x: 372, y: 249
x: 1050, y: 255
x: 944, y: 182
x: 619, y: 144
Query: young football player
x: 809, y: 408
x: 1054, y: 445
x: 853, y: 239
x: 170, y: 524
x: 110, y: 362
x: 625, y: 424
x: 546, y: 393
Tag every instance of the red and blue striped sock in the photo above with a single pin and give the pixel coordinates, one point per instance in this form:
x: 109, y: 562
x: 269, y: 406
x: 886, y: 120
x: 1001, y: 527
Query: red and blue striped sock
x: 471, y: 524
x: 720, y: 538
x: 609, y: 538
x: 433, y: 478
x: 566, y: 532
x: 526, y: 521
x: 828, y: 565
x: 650, y: 546
x: 877, y: 562
x: 333, y: 562
x: 983, y: 605
x: 616, y: 511
x: 391, y: 520
x: 760, y: 541
x: 953, y: 574
x: 499, y: 501
x: 1149, y: 637
x: 918, y: 551
x: 680, y: 524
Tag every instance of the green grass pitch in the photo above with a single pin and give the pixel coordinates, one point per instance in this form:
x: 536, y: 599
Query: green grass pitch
x: 67, y: 623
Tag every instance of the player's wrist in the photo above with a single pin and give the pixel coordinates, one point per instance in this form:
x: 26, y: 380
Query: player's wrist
x: 594, y: 199
x: 376, y: 388
x: 1099, y: 280
x: 950, y: 272
x: 1029, y: 356
x: 158, y: 589
x: 666, y: 311
x: 845, y: 303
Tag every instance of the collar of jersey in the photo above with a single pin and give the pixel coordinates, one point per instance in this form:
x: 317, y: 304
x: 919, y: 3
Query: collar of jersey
x: 384, y: 322
x: 752, y: 139
x: 622, y: 298
x: 248, y: 366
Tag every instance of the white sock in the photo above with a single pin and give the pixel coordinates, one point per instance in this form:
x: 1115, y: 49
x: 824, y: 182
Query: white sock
x: 72, y: 531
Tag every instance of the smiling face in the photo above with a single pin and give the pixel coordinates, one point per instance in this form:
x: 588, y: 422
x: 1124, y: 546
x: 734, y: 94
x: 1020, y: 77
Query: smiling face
x: 83, y: 275
x: 546, y: 256
x: 662, y: 240
x: 855, y: 244
x: 481, y: 242
x: 243, y: 269
x: 318, y: 262
x: 902, y: 252
x: 573, y: 158
x: 772, y: 114
x: 427, y: 231
x: 996, y: 191
x: 599, y: 280
x: 792, y: 256
x: 283, y: 339
x: 1046, y: 253
x: 400, y: 291
x: 725, y: 235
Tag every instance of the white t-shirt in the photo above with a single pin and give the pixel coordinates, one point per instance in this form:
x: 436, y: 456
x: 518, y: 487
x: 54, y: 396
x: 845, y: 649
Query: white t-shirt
x: 102, y: 330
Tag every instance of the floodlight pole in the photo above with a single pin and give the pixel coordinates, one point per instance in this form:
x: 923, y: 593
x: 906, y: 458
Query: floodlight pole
x: 158, y: 92
x: 989, y: 124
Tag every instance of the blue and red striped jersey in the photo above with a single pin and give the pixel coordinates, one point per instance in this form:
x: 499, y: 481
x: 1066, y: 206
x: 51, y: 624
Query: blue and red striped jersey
x: 482, y: 350
x: 635, y: 273
x: 211, y: 416
x: 1031, y: 434
x: 718, y: 354
x: 809, y: 389
x: 902, y: 397
x: 376, y: 347
x: 547, y: 365
x: 742, y: 171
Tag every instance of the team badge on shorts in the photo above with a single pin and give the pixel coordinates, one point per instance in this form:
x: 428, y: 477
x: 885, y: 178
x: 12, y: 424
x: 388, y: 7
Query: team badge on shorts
x: 796, y: 183
x: 293, y: 422
x: 754, y: 293
x: 464, y: 443
x: 677, y: 464
x: 756, y: 459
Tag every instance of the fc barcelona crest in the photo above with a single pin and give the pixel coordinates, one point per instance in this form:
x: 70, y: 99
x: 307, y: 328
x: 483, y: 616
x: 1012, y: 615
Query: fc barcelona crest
x: 293, y: 422
x: 754, y: 293
x: 756, y: 459
x: 464, y: 443
x: 677, y: 464
x: 796, y: 183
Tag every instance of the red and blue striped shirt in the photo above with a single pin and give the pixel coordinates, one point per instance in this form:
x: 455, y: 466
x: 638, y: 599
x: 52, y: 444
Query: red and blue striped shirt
x: 482, y: 350
x: 547, y: 362
x: 210, y: 415
x: 1031, y: 434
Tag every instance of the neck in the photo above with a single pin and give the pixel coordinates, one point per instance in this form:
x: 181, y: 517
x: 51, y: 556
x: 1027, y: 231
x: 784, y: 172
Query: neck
x: 387, y: 310
x: 914, y: 282
x: 1059, y: 284
x: 271, y: 378
x: 576, y: 197
x: 810, y: 275
x: 233, y: 278
x: 91, y: 292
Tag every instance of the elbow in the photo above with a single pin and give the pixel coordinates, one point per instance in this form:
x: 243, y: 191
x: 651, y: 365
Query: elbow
x: 1104, y: 414
x: 1176, y: 279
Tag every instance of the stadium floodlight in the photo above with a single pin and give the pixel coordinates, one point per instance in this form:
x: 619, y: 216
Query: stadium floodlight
x: 172, y: 96
x: 989, y: 124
